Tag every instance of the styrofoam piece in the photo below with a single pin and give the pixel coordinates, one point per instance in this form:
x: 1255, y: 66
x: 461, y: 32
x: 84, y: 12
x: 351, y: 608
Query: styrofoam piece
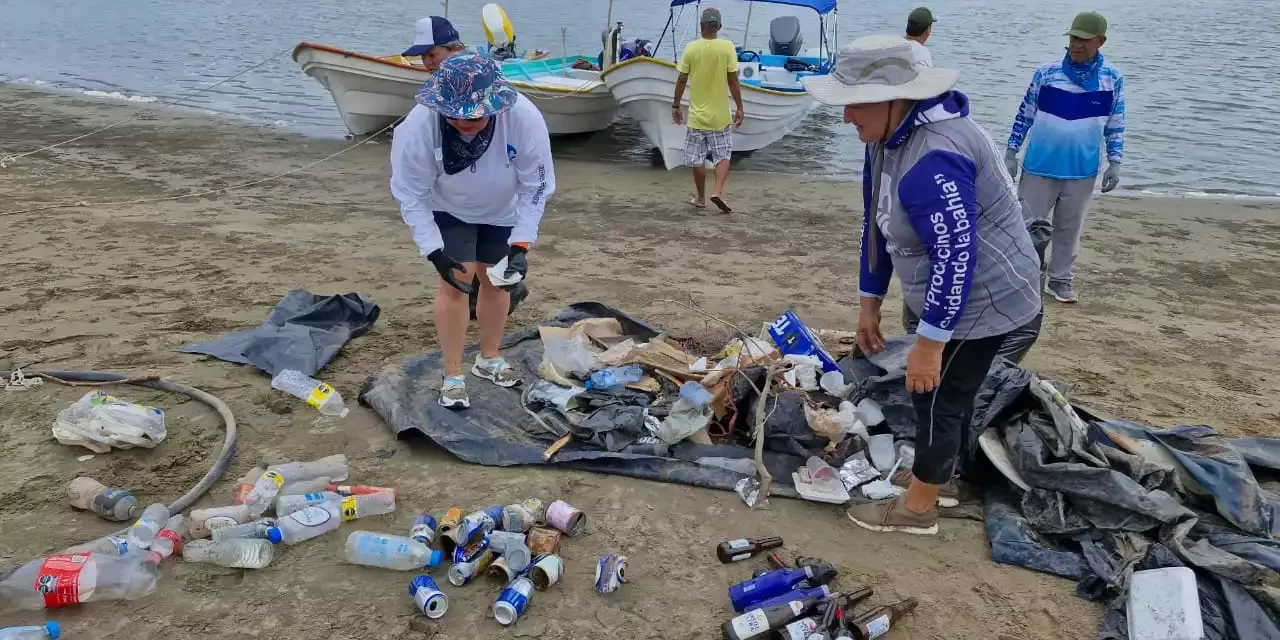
x: 1164, y: 605
x: 881, y: 450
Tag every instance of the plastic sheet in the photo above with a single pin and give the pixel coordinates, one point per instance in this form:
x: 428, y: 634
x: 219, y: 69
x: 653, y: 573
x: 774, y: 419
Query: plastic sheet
x: 303, y: 332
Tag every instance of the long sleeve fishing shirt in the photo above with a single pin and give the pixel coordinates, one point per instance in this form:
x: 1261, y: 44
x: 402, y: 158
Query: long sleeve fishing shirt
x: 949, y: 224
x: 508, y: 186
x: 1067, y: 113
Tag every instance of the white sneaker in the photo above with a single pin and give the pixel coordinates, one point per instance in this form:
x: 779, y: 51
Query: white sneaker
x: 453, y: 393
x: 496, y: 370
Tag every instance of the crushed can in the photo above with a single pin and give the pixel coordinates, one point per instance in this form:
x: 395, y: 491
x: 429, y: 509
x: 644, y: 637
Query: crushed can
x: 500, y: 540
x: 518, y: 518
x: 447, y: 531
x: 546, y: 571
x: 544, y: 540
x: 424, y: 528
x: 463, y: 573
x: 427, y: 596
x: 566, y: 518
x: 470, y: 552
x: 512, y: 602
x: 501, y: 572
x: 518, y: 557
x: 475, y: 525
x: 611, y: 573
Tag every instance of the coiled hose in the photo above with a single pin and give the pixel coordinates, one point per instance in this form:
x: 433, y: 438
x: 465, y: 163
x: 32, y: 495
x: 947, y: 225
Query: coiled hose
x: 101, y: 379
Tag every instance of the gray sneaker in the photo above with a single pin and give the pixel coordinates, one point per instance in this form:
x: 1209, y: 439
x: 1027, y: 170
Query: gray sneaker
x: 453, y: 393
x: 893, y: 515
x: 1063, y: 292
x: 496, y: 371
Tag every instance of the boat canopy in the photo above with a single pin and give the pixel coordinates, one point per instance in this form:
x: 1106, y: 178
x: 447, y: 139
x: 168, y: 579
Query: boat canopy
x: 823, y: 7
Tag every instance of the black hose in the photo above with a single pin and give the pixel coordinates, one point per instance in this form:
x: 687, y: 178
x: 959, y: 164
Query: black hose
x: 229, y: 421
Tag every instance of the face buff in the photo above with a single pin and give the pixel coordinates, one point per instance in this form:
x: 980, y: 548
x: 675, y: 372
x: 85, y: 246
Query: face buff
x: 458, y: 152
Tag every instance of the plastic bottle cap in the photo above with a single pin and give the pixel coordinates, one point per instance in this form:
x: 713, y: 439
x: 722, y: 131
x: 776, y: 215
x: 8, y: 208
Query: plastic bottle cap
x: 344, y: 413
x: 274, y: 535
x: 437, y: 556
x: 53, y: 629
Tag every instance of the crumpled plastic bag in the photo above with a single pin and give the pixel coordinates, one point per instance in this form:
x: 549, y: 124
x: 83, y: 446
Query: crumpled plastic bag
x: 99, y: 422
x: 683, y: 421
x: 832, y: 425
x: 568, y: 356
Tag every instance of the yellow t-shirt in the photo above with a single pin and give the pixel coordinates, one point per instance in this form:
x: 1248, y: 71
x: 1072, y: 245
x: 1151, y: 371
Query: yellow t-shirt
x: 707, y: 62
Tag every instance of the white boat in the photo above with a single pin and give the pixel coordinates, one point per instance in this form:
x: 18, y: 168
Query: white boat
x: 774, y: 99
x: 372, y: 92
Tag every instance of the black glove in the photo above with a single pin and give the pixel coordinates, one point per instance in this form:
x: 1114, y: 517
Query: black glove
x: 517, y: 262
x: 447, y: 266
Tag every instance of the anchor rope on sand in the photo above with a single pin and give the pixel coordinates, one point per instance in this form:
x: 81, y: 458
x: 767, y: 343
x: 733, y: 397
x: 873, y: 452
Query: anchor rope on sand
x: 7, y: 160
x: 245, y: 185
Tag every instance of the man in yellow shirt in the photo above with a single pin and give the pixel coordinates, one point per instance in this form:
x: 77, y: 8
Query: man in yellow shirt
x: 709, y: 66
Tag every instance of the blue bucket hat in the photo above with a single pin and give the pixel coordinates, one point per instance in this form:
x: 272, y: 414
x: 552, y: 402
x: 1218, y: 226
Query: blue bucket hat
x: 468, y: 86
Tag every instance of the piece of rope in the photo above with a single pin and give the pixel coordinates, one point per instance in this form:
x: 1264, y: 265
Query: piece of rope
x: 210, y: 192
x: 7, y: 160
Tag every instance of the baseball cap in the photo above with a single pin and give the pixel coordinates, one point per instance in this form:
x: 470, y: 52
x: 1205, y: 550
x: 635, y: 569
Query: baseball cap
x: 711, y: 17
x: 921, y: 15
x: 429, y: 33
x: 1088, y: 25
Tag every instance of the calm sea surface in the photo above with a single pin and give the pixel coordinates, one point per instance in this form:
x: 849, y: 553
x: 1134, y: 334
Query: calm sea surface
x: 1202, y: 77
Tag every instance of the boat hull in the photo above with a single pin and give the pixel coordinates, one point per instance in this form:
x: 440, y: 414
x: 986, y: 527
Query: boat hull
x: 643, y: 87
x: 372, y: 93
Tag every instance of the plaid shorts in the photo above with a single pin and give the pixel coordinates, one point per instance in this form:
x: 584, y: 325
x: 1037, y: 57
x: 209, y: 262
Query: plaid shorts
x: 700, y: 143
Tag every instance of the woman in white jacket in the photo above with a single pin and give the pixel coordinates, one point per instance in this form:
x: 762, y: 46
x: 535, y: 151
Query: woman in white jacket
x: 471, y: 168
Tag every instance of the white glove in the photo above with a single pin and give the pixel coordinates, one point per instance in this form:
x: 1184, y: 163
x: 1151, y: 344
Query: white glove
x: 1011, y: 162
x: 1111, y: 178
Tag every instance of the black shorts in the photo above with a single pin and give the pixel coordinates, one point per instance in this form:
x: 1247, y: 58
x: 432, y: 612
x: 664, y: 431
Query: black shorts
x: 467, y: 242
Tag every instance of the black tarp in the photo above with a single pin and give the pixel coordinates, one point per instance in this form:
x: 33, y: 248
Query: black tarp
x: 303, y: 332
x: 1115, y: 496
x: 497, y: 430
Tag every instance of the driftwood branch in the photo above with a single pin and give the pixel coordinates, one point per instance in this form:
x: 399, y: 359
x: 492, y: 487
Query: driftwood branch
x: 766, y: 479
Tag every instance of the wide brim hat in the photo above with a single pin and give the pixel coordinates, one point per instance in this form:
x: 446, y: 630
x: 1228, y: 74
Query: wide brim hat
x: 879, y: 68
x: 468, y: 86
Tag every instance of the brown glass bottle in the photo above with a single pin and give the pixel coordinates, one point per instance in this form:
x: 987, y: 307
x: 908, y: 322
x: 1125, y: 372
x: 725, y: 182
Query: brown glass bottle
x: 744, y: 548
x: 878, y: 621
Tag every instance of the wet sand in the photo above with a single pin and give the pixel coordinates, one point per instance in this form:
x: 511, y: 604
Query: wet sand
x: 1174, y: 327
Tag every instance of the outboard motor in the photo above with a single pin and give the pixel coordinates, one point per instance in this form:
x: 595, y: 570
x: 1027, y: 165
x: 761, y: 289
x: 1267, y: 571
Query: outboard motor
x: 784, y: 36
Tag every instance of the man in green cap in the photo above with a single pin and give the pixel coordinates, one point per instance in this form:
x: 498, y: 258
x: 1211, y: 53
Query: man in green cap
x: 1072, y: 106
x: 919, y: 28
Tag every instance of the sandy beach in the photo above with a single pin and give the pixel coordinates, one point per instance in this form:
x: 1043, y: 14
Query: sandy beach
x: 1174, y: 327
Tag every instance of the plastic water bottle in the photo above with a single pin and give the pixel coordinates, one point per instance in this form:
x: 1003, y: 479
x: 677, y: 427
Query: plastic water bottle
x: 256, y: 530
x: 309, y: 523
x: 303, y: 487
x: 116, y: 505
x: 390, y: 552
x: 245, y: 484
x: 615, y: 377
x: 276, y: 477
x: 47, y: 630
x: 373, y: 504
x: 202, y: 522
x: 148, y: 525
x: 316, y: 393
x: 59, y: 581
x: 112, y: 545
x: 169, y: 540
x: 286, y: 505
x: 238, y: 553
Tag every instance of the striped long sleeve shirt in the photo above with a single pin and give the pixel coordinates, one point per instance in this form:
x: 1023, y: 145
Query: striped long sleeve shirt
x: 1064, y: 124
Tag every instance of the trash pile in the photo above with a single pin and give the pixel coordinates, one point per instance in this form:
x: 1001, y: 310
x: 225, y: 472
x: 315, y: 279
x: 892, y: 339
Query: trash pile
x: 794, y: 599
x: 99, y: 422
x: 516, y: 546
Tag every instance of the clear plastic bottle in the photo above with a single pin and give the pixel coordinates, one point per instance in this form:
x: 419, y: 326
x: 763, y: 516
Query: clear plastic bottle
x: 169, y: 540
x: 116, y: 505
x: 286, y: 505
x: 373, y: 504
x: 202, y: 522
x: 148, y: 525
x: 390, y: 552
x: 306, y: 524
x: 59, y: 581
x: 276, y: 477
x: 615, y: 377
x: 256, y: 530
x: 111, y: 545
x: 49, y: 630
x: 245, y: 484
x: 315, y: 393
x: 238, y: 553
x: 305, y: 486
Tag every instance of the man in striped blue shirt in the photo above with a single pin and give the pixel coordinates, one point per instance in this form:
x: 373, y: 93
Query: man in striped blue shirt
x: 1071, y: 107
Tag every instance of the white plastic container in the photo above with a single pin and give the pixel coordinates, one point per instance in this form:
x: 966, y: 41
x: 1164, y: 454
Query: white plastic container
x: 1164, y: 605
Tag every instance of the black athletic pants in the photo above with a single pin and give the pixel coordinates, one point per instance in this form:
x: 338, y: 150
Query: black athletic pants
x: 942, y: 416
